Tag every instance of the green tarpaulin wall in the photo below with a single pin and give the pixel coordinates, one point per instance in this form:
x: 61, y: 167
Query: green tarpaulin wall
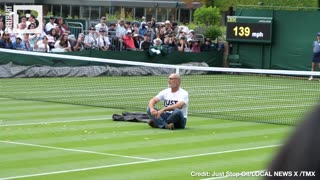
x: 212, y: 58
x: 292, y: 36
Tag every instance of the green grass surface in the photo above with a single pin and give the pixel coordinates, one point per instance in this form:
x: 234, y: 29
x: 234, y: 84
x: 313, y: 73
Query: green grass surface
x: 41, y: 140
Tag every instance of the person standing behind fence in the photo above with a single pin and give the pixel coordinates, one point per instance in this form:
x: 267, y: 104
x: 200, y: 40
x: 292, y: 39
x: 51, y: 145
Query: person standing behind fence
x: 316, y: 54
x: 51, y: 24
x: 102, y: 24
x: 62, y: 26
x: 120, y: 33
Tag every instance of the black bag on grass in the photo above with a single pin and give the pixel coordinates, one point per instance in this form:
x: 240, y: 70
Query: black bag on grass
x: 131, y: 117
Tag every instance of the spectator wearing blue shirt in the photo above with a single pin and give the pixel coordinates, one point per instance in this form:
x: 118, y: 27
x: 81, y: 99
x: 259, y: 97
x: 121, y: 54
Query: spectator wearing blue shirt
x: 5, y: 41
x: 18, y: 44
x: 316, y: 54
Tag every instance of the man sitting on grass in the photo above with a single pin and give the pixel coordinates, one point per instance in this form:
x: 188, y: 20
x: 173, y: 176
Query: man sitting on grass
x: 174, y: 113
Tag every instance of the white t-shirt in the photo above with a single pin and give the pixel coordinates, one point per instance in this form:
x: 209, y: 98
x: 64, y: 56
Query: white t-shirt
x: 170, y: 98
x: 103, y: 41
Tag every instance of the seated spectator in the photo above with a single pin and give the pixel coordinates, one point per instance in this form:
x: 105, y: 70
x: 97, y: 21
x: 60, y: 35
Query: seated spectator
x: 6, y: 41
x: 207, y: 46
x: 191, y: 35
x: 157, y: 48
x: 196, y: 46
x: 146, y: 43
x: 137, y: 40
x: 90, y: 40
x: 219, y: 45
x: 32, y: 36
x: 103, y: 41
x: 62, y: 45
x: 23, y: 20
x: 72, y: 40
x: 18, y: 44
x: 182, y: 32
x: 41, y: 44
x: 189, y: 44
x: 22, y: 28
x: 52, y: 37
x: 79, y: 46
x: 135, y: 27
x: 32, y: 19
x: 182, y: 44
x: 128, y: 41
x: 28, y: 44
x: 169, y: 43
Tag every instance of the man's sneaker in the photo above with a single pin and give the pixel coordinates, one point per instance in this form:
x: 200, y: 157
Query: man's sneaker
x: 310, y: 78
x: 152, y: 124
x: 170, y: 126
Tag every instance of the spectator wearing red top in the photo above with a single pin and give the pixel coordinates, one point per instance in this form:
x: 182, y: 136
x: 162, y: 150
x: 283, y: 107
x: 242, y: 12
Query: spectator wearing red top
x: 128, y: 41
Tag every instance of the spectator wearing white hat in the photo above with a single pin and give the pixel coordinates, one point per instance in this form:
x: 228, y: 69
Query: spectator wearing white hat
x: 182, y: 32
x: 188, y: 47
x: 157, y: 48
x: 18, y: 44
x: 168, y: 27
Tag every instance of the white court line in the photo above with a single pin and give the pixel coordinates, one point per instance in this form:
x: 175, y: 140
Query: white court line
x: 137, y: 162
x: 52, y: 122
x: 222, y: 177
x: 73, y: 150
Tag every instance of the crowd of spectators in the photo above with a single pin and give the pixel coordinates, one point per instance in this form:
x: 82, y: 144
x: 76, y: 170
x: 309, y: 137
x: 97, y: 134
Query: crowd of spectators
x: 150, y: 36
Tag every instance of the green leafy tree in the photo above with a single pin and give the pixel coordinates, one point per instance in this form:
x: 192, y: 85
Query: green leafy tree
x: 207, y: 15
x: 208, y: 19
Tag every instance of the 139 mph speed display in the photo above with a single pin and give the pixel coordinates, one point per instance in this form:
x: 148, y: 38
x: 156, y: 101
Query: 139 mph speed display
x: 249, y: 29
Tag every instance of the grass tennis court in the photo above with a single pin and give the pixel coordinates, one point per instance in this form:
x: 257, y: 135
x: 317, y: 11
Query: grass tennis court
x: 55, y: 141
x: 50, y: 140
